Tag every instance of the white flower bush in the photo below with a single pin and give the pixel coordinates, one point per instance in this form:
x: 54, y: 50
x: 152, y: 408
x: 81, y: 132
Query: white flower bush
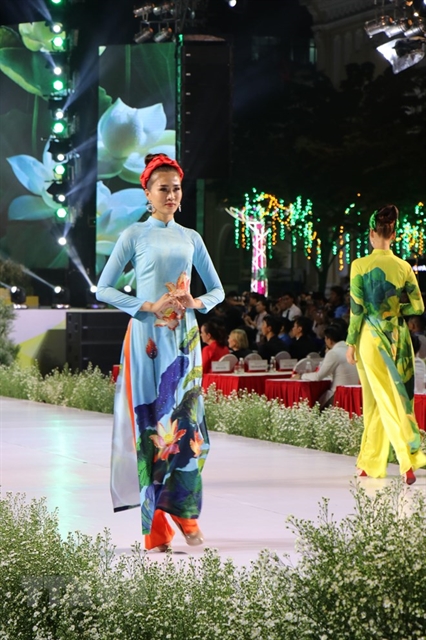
x: 360, y: 578
x: 126, y: 135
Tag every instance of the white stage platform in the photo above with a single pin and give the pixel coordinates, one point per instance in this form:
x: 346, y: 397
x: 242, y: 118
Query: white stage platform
x: 250, y: 486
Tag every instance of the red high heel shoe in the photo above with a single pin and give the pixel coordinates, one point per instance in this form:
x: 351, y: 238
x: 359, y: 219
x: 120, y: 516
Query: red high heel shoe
x: 409, y: 477
x: 362, y: 474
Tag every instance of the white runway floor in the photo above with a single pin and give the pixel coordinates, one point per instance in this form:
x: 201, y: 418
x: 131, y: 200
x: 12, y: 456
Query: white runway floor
x: 250, y: 486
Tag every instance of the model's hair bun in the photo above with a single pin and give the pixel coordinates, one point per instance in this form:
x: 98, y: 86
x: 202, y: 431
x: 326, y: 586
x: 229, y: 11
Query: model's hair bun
x: 387, y: 214
x: 151, y: 156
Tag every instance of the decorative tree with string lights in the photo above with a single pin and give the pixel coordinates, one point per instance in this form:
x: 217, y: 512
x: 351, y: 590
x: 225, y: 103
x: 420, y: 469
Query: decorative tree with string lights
x: 261, y: 222
x: 264, y: 220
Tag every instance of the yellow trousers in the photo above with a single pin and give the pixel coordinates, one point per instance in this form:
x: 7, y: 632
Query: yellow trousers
x: 385, y: 418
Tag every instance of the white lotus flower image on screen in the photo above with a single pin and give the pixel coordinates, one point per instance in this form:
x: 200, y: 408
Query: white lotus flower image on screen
x: 126, y: 135
x: 37, y: 177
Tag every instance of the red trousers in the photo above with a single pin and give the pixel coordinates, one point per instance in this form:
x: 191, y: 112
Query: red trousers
x: 162, y: 532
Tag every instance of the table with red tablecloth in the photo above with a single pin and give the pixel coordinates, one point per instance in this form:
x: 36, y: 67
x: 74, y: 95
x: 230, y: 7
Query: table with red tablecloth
x: 350, y: 399
x: 251, y: 381
x: 293, y: 391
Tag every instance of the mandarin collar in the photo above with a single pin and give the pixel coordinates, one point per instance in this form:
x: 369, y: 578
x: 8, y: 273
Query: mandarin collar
x: 155, y: 222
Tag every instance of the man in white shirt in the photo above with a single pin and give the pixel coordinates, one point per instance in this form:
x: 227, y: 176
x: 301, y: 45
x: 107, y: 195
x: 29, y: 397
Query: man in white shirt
x: 334, y: 365
x: 288, y: 307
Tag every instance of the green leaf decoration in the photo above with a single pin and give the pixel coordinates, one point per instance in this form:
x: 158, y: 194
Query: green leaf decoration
x: 105, y: 101
x: 190, y: 341
x: 9, y: 38
x: 196, y: 372
x: 29, y: 70
x: 187, y: 409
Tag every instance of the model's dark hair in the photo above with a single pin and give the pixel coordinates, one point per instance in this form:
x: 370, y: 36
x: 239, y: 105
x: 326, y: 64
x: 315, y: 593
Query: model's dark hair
x: 217, y: 332
x: 386, y: 220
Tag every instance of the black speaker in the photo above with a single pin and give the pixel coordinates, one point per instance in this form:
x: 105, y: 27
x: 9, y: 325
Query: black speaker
x: 95, y: 336
x: 204, y: 108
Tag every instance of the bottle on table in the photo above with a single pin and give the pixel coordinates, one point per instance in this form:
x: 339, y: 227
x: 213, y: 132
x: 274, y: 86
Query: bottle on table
x: 240, y: 366
x: 273, y: 364
x: 308, y: 367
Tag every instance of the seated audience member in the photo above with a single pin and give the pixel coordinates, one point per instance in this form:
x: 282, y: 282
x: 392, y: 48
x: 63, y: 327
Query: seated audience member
x: 336, y: 307
x: 272, y: 344
x: 262, y: 309
x: 303, y: 342
x: 214, y: 337
x: 419, y: 366
x: 287, y: 306
x: 416, y: 325
x: 238, y: 343
x: 251, y: 299
x: 229, y: 314
x: 334, y: 364
x: 285, y: 333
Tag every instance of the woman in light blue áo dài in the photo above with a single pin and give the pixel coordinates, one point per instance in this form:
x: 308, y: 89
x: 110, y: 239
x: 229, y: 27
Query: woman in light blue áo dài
x: 160, y: 439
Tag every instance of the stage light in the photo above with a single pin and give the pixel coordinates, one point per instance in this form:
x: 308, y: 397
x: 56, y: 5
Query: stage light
x: 127, y: 288
x: 144, y: 35
x: 58, y: 85
x: 403, y: 53
x: 58, y: 127
x: 59, y: 148
x: 62, y: 241
x: 56, y: 27
x: 61, y: 298
x: 167, y: 7
x: 91, y: 302
x: 18, y: 297
x: 373, y: 27
x: 58, y: 43
x: 144, y: 10
x: 59, y: 170
x: 93, y: 288
x: 232, y: 3
x: 61, y: 213
x: 164, y: 35
x: 56, y: 1
x: 58, y: 190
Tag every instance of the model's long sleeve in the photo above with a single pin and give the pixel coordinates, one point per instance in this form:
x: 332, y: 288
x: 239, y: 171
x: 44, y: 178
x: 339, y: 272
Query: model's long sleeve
x: 205, y: 268
x: 358, y: 309
x: 122, y: 253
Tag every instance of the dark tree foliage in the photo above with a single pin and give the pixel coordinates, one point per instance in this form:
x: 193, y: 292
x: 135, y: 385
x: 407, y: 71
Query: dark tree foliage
x: 368, y: 137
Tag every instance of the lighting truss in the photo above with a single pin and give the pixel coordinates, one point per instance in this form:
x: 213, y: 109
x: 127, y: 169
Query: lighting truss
x: 401, y: 21
x: 158, y: 17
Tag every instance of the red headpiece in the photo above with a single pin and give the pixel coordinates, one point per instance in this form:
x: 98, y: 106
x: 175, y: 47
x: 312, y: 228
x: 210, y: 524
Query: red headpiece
x: 156, y: 162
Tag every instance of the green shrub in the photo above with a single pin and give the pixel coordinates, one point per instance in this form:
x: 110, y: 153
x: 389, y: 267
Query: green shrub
x: 253, y: 416
x: 90, y: 389
x: 8, y: 350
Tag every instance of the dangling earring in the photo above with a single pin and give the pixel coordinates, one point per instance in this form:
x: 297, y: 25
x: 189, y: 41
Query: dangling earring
x: 180, y: 207
x: 150, y: 207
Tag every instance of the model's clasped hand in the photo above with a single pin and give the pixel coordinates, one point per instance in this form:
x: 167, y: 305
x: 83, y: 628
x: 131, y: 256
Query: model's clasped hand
x: 165, y: 302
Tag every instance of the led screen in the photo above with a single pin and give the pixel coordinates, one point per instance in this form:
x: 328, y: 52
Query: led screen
x: 137, y: 112
x: 29, y: 228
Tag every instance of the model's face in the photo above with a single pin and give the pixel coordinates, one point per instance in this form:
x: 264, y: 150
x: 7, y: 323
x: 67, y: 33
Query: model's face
x: 164, y: 193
